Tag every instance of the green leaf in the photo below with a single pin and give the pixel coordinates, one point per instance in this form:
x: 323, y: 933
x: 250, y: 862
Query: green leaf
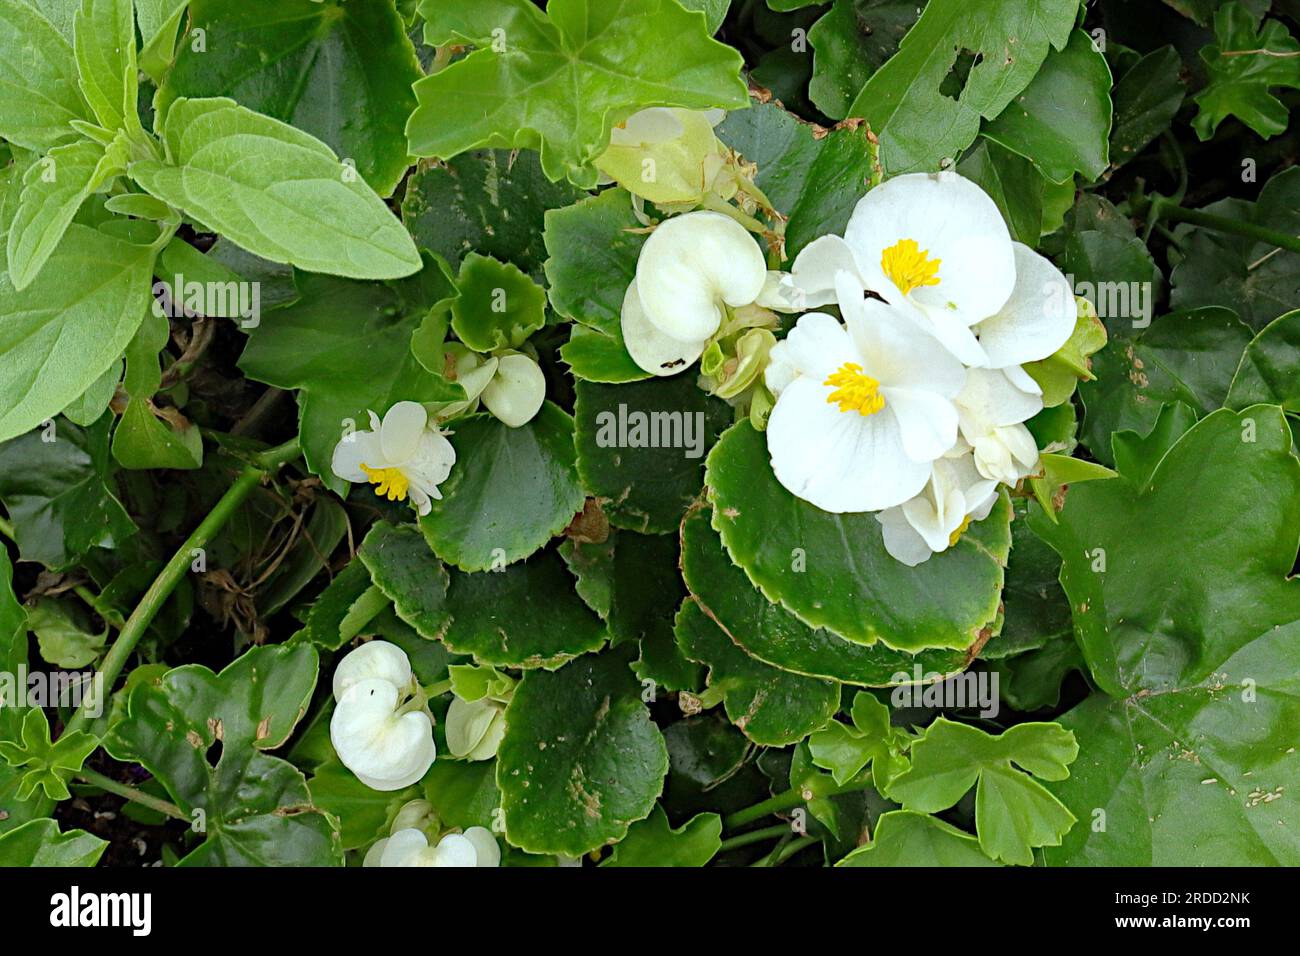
x: 1061, y: 120
x: 1269, y: 372
x: 256, y: 808
x: 846, y: 749
x: 905, y: 102
x: 1242, y: 65
x: 343, y: 609
x: 1187, y: 357
x: 641, y: 447
x: 464, y: 793
x: 104, y: 41
x: 94, y: 401
x: 40, y: 98
x: 1032, y: 680
x: 58, y: 336
x: 40, y: 843
x: 1137, y: 454
x: 53, y: 190
x: 905, y: 838
x: 46, y: 764
x: 654, y: 842
x: 1255, y: 279
x: 142, y: 439
x: 558, y: 80
x: 771, y: 707
x: 581, y: 760
x: 593, y: 247
x: 812, y: 176
x: 339, y: 71
x: 64, y: 641
x: 511, y: 490
x: 1190, y: 739
x: 1013, y: 811
x: 1012, y: 182
x: 278, y: 192
x: 59, y: 493
x: 498, y: 306
x: 1035, y: 609
x: 13, y: 644
x: 315, y: 345
x: 851, y: 41
x: 832, y: 570
x: 492, y: 201
x: 363, y: 813
x: 406, y: 571
x: 772, y: 634
x: 1147, y: 98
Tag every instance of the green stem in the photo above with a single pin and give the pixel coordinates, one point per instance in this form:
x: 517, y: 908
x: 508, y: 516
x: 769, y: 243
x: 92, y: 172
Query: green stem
x: 785, y: 851
x: 109, y: 615
x: 131, y: 793
x: 175, y: 569
x: 788, y: 801
x: 717, y: 204
x: 1162, y: 208
x: 754, y: 836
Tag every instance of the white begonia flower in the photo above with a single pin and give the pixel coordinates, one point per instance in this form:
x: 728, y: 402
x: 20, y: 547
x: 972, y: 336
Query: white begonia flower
x: 868, y: 410
x: 991, y: 409
x: 1036, y: 320
x: 931, y: 244
x: 475, y: 847
x: 474, y: 728
x: 516, y: 390
x: 404, y: 455
x: 385, y: 745
x: 956, y: 495
x: 691, y: 269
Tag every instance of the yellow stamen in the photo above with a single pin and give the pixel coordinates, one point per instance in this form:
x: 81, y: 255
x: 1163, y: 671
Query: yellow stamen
x: 388, y: 482
x: 909, y: 266
x: 961, y: 529
x: 855, y: 390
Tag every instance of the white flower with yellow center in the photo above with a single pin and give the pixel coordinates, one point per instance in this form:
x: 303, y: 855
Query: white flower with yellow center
x: 862, y: 411
x: 691, y: 270
x: 380, y: 729
x: 404, y: 456
x: 955, y: 496
x: 475, y: 847
x: 991, y: 409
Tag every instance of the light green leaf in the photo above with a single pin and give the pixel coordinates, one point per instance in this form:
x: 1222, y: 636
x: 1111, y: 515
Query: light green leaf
x: 63, y: 641
x: 104, y: 41
x: 905, y: 102
x: 341, y: 71
x: 581, y: 760
x: 845, y: 580
x: 40, y: 843
x: 511, y: 490
x: 39, y: 96
x: 276, y: 191
x: 1013, y: 811
x: 58, y: 337
x: 654, y: 842
x: 845, y: 749
x: 1190, y: 744
x: 497, y: 305
x: 46, y: 764
x: 905, y: 838
x: 257, y: 808
x: 1061, y: 120
x: 1243, y: 64
x: 558, y: 80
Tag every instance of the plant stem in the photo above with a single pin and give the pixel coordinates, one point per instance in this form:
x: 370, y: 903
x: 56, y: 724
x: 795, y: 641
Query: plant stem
x: 754, y: 836
x: 788, y: 801
x: 154, y: 598
x: 785, y: 851
x: 1162, y: 208
x: 109, y: 616
x: 131, y: 793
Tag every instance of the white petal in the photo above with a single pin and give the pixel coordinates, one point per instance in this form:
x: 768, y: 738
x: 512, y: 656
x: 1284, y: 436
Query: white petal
x: 779, y: 293
x: 818, y: 345
x: 429, y: 467
x: 652, y: 350
x: 1037, y: 319
x: 487, y: 850
x: 403, y: 848
x: 1022, y: 380
x: 354, y: 450
x: 896, y: 352
x: 818, y: 264
x: 400, y: 435
x: 455, y: 850
x: 690, y: 265
x: 780, y: 370
x: 902, y: 540
x: 952, y: 220
x: 374, y: 659
x: 990, y: 400
x: 375, y: 854
x: 839, y: 461
x: 516, y: 391
x: 385, y: 751
x: 928, y: 422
